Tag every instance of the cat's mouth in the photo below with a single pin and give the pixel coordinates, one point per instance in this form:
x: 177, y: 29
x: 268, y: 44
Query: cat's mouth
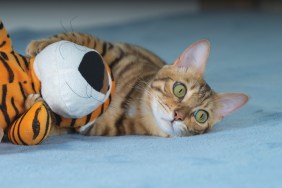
x: 166, y: 122
x: 170, y: 120
x: 165, y: 125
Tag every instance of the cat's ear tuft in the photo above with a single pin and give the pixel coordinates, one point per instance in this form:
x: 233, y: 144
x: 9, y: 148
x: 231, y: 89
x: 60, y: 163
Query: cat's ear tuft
x: 228, y: 103
x: 195, y: 57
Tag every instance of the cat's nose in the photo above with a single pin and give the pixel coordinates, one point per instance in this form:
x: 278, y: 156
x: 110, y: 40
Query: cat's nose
x: 178, y: 116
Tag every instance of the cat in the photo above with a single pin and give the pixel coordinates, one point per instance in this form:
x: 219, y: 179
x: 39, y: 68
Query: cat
x: 152, y: 97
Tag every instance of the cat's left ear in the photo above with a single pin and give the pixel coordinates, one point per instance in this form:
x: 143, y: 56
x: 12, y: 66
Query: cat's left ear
x: 195, y: 57
x: 228, y: 103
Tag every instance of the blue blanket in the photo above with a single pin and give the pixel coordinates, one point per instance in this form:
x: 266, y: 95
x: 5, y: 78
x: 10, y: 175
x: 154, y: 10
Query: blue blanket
x: 244, y: 150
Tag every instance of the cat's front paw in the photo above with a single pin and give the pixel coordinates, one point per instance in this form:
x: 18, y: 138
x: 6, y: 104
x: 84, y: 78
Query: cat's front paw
x: 31, y: 99
x: 36, y: 46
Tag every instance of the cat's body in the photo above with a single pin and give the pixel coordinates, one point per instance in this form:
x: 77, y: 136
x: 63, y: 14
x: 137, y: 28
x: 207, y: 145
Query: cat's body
x: 153, y: 98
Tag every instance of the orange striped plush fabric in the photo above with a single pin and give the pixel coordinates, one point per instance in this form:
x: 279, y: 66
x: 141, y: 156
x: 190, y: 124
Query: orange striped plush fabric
x: 17, y: 81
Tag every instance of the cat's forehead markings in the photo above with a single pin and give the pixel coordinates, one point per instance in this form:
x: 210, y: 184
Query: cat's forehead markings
x: 204, y: 87
x: 204, y: 100
x: 193, y: 85
x: 206, y: 104
x: 163, y: 79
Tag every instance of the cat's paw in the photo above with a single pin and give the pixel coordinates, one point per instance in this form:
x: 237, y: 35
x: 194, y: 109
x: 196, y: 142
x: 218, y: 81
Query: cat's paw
x: 36, y: 46
x: 31, y: 99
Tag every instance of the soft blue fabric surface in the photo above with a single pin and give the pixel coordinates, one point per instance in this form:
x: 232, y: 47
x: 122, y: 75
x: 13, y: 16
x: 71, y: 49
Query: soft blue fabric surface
x: 244, y: 150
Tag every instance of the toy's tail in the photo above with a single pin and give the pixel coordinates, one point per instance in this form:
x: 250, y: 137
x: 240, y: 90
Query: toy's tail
x: 5, y: 41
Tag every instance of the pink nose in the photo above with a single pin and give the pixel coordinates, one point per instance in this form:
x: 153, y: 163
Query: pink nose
x: 178, y: 116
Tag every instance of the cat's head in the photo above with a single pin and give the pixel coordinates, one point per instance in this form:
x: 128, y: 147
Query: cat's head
x: 182, y: 102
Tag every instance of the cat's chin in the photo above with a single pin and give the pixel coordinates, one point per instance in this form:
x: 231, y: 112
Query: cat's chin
x: 172, y: 128
x: 165, y: 126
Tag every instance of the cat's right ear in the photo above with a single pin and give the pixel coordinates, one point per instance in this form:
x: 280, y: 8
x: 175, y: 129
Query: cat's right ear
x: 195, y: 57
x: 228, y: 103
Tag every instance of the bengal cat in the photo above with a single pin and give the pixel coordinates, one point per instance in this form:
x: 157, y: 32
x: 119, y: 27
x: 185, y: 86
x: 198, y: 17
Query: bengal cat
x: 152, y: 97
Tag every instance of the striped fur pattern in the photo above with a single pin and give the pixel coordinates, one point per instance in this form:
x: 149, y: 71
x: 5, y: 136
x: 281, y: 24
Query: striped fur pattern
x: 23, y: 127
x: 25, y: 119
x: 144, y: 102
x: 16, y: 84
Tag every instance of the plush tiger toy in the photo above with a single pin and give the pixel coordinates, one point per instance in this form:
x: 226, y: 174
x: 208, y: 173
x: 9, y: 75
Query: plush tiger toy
x: 22, y: 79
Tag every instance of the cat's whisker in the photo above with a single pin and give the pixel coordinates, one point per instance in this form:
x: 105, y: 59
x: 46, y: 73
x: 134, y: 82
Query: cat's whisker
x: 184, y: 130
x: 136, y: 89
x: 71, y: 26
x: 167, y: 111
x: 155, y: 97
x: 62, y: 25
x: 142, y: 89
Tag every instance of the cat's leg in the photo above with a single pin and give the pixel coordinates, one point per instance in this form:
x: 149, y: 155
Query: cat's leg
x: 116, y: 125
x: 111, y: 53
x: 104, y: 125
x: 32, y: 99
x: 1, y: 134
x: 100, y: 128
x: 114, y: 122
x: 33, y: 126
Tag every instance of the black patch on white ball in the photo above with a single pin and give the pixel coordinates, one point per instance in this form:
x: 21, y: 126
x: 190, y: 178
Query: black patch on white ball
x: 92, y: 69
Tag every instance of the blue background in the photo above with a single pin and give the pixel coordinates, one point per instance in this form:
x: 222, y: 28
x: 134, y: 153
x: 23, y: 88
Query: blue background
x: 244, y: 150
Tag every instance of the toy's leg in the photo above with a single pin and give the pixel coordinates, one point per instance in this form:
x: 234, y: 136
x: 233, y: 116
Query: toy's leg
x: 33, y: 126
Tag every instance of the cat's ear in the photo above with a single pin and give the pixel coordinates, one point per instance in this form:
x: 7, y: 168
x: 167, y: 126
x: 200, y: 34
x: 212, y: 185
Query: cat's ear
x: 195, y: 57
x: 228, y: 103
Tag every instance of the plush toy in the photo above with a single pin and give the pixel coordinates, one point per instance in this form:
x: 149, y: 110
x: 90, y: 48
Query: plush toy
x: 74, y: 82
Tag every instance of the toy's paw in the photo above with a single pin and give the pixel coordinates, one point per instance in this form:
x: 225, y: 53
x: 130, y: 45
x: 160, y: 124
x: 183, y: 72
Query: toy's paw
x: 1, y: 134
x: 31, y: 99
x: 36, y: 46
x: 32, y: 127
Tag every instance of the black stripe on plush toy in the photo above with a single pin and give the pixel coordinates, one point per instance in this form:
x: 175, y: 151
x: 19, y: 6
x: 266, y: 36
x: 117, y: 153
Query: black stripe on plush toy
x: 92, y: 69
x: 4, y: 55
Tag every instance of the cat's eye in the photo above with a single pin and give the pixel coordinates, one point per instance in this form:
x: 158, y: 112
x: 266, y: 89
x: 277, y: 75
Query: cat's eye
x: 201, y: 116
x: 179, y: 90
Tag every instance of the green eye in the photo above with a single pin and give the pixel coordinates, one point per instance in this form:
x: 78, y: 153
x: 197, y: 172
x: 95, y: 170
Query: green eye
x: 179, y: 90
x: 201, y: 116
